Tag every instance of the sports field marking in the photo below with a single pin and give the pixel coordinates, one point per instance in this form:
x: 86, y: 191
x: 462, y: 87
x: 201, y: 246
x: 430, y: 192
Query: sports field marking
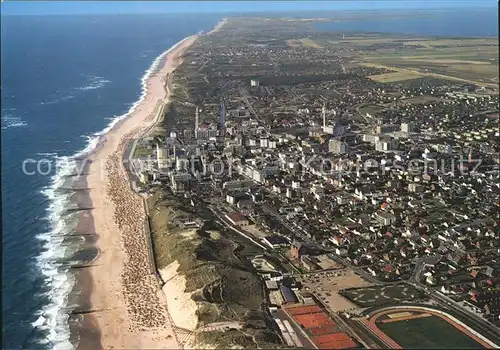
x: 399, y: 314
x: 404, y: 318
x: 372, y: 324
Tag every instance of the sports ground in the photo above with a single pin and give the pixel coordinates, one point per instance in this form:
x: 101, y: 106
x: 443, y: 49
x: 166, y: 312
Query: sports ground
x: 422, y: 327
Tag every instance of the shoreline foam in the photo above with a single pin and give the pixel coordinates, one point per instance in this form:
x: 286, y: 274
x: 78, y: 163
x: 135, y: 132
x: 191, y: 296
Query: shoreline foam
x: 115, y: 328
x: 61, y: 282
x: 56, y: 317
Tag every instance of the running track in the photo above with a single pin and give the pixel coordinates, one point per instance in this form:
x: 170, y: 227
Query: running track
x: 371, y: 324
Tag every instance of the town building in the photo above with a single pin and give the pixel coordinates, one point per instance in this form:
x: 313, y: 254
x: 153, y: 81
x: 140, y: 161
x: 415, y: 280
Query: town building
x: 386, y: 128
x: 407, y: 127
x: 296, y: 250
x: 337, y: 146
x: 385, y: 218
x: 276, y: 241
x: 180, y: 182
x: 254, y: 82
x: 238, y: 219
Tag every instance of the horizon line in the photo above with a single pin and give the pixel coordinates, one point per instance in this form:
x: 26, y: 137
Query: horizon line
x: 274, y: 11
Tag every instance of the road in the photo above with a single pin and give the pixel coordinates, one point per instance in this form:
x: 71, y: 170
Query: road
x: 284, y: 222
x: 358, y: 270
x: 244, y: 95
x: 375, y: 341
x: 474, y: 320
x: 225, y: 222
x: 489, y: 330
x: 220, y: 326
x: 420, y: 264
x: 362, y: 273
x: 361, y: 337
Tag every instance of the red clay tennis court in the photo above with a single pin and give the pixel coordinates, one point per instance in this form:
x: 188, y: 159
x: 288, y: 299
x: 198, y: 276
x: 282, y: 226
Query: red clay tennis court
x: 334, y: 341
x: 323, y: 330
x: 314, y: 320
x: 327, y: 338
x: 301, y: 310
x: 342, y: 344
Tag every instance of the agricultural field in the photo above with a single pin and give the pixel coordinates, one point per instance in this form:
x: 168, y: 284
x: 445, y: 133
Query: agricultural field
x: 304, y: 42
x: 393, y: 77
x: 419, y: 99
x: 381, y: 295
x: 427, y: 332
x: 370, y: 109
x: 485, y: 76
x: 467, y: 60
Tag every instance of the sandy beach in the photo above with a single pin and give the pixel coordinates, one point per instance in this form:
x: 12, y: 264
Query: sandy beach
x: 131, y: 312
x: 129, y: 306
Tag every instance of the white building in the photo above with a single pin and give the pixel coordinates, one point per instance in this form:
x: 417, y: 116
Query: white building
x: 181, y: 164
x: 406, y: 127
x: 384, y: 145
x: 337, y: 146
x: 385, y: 218
x: 180, y: 182
x: 161, y: 156
x: 370, y: 138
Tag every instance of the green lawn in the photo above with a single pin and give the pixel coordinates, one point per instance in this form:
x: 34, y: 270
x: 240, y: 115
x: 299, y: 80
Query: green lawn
x: 382, y: 295
x: 427, y: 332
x: 141, y: 151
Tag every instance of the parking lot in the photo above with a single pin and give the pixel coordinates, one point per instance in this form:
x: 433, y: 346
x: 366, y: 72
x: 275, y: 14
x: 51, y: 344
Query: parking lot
x: 326, y: 285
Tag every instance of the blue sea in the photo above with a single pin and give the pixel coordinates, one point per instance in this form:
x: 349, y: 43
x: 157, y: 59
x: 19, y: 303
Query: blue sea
x: 446, y: 23
x: 64, y: 80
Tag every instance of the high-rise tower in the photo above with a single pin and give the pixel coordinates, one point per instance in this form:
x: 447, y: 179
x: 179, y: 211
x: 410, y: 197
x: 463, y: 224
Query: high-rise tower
x: 196, y: 122
x: 222, y: 115
x: 323, y: 114
x: 196, y: 119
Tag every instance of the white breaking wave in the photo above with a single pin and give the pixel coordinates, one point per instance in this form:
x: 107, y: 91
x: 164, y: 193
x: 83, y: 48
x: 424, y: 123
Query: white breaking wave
x: 59, y: 279
x: 9, y: 120
x: 94, y: 82
x: 47, y: 154
x: 40, y: 321
x: 57, y: 100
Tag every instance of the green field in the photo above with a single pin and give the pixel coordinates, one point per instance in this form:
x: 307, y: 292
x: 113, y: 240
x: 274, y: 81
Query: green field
x: 427, y: 332
x: 393, y: 77
x: 467, y: 60
x: 141, y: 151
x: 382, y: 295
x: 304, y: 42
x: 370, y: 109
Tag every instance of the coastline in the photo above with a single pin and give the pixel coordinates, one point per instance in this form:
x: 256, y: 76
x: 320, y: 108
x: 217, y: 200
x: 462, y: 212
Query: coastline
x: 111, y: 323
x: 128, y: 307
